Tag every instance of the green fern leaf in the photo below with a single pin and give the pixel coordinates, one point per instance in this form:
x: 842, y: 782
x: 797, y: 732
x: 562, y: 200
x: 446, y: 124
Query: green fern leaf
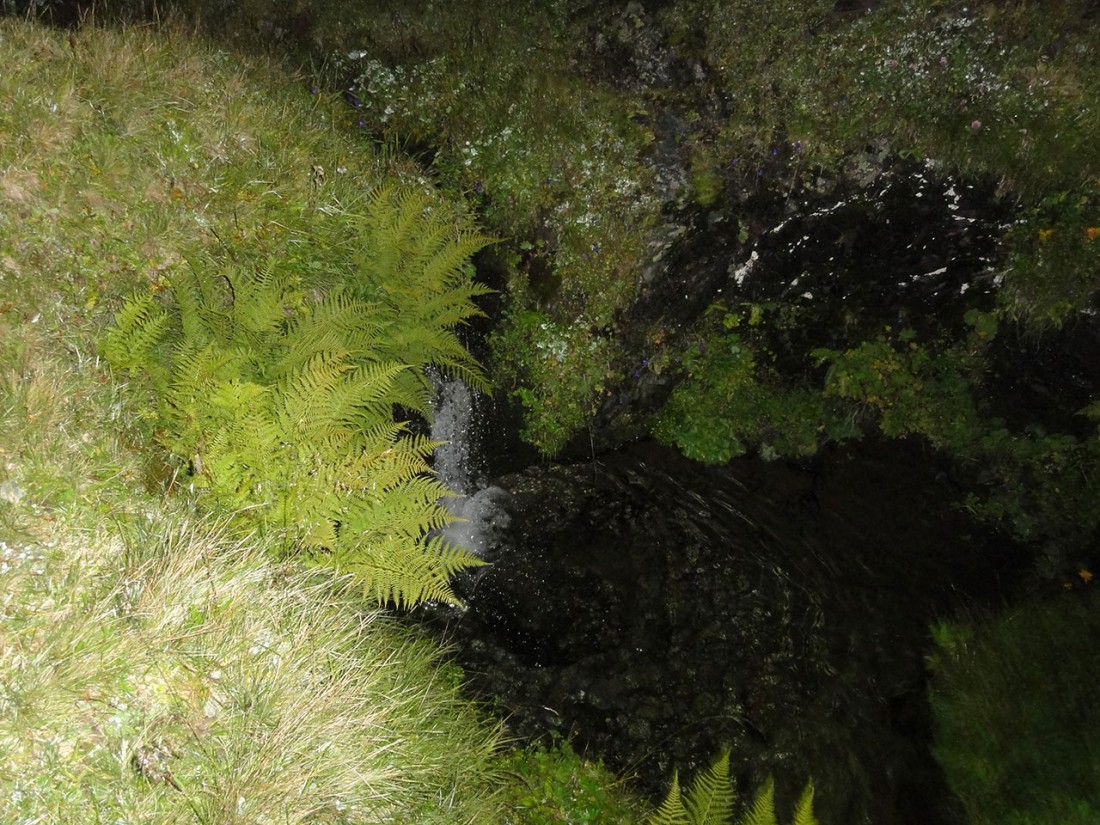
x: 303, y: 408
x: 140, y: 326
x: 762, y: 810
x: 804, y: 810
x: 672, y: 811
x: 397, y: 570
x: 710, y: 798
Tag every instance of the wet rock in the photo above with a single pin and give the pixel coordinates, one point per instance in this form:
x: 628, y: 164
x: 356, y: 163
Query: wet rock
x: 658, y: 610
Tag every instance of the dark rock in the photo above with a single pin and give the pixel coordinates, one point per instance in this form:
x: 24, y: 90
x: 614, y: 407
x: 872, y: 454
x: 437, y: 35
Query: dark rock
x: 657, y: 609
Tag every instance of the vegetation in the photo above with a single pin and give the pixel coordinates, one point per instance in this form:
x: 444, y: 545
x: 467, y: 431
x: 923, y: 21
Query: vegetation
x: 971, y: 90
x: 210, y: 188
x: 284, y: 403
x: 156, y: 665
x: 710, y: 801
x: 1015, y: 724
x: 557, y: 785
x: 548, y: 116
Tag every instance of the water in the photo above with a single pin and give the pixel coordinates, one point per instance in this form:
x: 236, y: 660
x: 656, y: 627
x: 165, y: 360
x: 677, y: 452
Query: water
x: 657, y: 610
x: 461, y: 422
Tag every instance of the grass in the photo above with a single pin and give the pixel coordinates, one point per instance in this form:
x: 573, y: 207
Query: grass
x: 156, y: 666
x: 1016, y: 724
x: 156, y: 669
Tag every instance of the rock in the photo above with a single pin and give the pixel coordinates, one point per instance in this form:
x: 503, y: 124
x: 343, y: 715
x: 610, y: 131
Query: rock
x: 796, y: 632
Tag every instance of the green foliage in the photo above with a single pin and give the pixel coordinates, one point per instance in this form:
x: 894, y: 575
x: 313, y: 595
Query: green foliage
x: 534, y: 113
x: 1041, y: 486
x: 1055, y: 266
x: 558, y: 785
x: 564, y: 372
x: 909, y: 386
x: 729, y: 403
x: 412, y: 260
x: 1016, y: 721
x: 282, y: 397
x: 710, y: 801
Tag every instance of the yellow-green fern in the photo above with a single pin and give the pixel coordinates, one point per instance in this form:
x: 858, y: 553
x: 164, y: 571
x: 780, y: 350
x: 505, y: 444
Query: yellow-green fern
x: 710, y: 801
x: 280, y: 392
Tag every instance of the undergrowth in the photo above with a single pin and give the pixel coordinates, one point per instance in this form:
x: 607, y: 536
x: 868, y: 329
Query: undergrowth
x: 1015, y: 724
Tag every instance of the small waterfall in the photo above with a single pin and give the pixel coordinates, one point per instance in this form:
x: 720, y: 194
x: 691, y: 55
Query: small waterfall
x: 455, y: 408
x: 459, y: 422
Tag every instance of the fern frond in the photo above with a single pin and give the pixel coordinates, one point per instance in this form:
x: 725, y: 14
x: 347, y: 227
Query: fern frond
x: 304, y: 396
x: 212, y: 298
x: 406, y: 510
x: 369, y: 393
x: 804, y: 810
x: 406, y: 572
x: 762, y: 810
x: 672, y: 811
x: 416, y: 260
x: 445, y: 258
x: 339, y: 321
x: 262, y: 300
x: 239, y: 445
x: 709, y: 801
x: 139, y: 328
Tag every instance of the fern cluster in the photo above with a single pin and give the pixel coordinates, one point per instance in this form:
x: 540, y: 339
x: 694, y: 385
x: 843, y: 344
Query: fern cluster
x: 710, y: 801
x: 280, y: 390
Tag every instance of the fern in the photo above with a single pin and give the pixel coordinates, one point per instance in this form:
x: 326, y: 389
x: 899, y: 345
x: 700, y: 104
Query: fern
x: 140, y: 326
x: 762, y: 810
x: 804, y: 810
x: 415, y: 263
x: 672, y: 810
x: 281, y: 393
x: 710, y: 801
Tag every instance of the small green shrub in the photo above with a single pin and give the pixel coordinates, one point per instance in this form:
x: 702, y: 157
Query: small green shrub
x: 557, y: 372
x: 1017, y: 728
x: 1054, y: 271
x: 911, y: 387
x: 557, y: 785
x: 730, y: 402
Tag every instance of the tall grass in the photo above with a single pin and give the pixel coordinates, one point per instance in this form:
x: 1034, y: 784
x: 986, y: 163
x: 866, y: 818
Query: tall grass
x: 1016, y: 722
x: 155, y: 669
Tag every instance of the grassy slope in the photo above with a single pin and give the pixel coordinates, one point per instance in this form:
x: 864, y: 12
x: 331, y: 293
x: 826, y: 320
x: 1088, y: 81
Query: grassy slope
x: 152, y: 667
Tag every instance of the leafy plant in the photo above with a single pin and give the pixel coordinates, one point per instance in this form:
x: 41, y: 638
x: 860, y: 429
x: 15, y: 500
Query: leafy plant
x: 282, y: 398
x: 710, y: 801
x: 555, y: 784
x: 564, y: 375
